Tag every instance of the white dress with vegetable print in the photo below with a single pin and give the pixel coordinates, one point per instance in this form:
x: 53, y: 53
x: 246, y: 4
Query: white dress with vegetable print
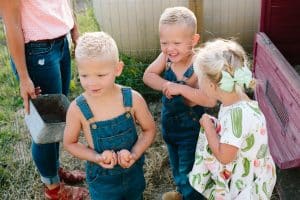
x: 252, y: 175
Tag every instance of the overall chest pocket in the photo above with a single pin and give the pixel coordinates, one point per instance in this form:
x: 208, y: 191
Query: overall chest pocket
x: 122, y: 140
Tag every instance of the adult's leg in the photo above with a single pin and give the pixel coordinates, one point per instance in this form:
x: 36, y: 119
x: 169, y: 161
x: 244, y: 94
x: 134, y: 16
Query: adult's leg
x: 65, y: 67
x: 43, y: 62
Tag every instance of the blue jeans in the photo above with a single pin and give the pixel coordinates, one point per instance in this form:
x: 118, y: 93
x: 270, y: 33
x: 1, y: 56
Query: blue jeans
x: 49, y: 66
x: 180, y: 133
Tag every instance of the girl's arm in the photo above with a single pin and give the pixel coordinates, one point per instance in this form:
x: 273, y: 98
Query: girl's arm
x: 71, y: 135
x: 152, y: 76
x: 225, y: 153
x: 144, y: 118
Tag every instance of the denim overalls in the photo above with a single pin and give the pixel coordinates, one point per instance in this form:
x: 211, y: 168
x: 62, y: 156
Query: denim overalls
x: 114, y: 134
x: 180, y: 129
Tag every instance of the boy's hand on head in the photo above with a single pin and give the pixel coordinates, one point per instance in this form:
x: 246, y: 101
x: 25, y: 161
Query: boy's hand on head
x: 170, y: 89
x: 126, y: 158
x: 108, y: 159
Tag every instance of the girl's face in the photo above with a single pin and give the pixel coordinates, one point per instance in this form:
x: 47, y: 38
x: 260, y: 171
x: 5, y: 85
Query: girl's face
x: 98, y: 77
x: 177, y: 42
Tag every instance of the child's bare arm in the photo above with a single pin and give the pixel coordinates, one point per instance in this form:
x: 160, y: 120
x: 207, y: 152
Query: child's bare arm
x: 146, y: 122
x: 71, y: 135
x: 225, y: 153
x: 196, y: 96
x: 152, y: 76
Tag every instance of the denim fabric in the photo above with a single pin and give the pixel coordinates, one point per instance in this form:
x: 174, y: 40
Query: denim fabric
x: 180, y: 129
x: 49, y: 67
x: 114, y: 134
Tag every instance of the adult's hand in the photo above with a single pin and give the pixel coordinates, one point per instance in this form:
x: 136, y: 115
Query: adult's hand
x: 75, y: 35
x: 27, y: 92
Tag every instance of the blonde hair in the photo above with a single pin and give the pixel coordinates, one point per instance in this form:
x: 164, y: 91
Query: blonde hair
x: 179, y: 15
x: 96, y: 45
x: 221, y: 55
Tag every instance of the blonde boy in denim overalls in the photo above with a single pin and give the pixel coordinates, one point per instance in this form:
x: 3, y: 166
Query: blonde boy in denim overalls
x: 107, y: 113
x: 180, y: 126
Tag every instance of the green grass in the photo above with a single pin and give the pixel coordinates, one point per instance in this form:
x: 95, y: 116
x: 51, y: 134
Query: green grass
x: 10, y: 101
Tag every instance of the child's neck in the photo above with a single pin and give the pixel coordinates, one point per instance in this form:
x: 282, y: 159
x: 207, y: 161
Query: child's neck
x: 233, y: 98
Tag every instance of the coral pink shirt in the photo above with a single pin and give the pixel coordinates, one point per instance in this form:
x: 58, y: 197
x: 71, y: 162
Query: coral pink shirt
x: 45, y: 19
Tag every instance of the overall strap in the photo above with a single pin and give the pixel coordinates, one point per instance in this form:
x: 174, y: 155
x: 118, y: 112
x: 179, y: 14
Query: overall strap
x: 127, y: 97
x: 188, y: 73
x: 84, y: 107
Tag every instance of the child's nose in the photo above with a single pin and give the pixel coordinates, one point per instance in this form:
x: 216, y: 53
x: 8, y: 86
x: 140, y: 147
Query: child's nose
x: 91, y: 82
x: 170, y: 47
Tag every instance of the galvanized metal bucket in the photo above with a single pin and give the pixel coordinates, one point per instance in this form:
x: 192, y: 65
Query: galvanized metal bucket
x: 47, y: 118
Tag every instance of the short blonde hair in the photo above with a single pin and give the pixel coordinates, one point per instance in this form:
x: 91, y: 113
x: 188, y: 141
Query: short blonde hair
x: 221, y: 55
x: 96, y: 45
x: 179, y: 15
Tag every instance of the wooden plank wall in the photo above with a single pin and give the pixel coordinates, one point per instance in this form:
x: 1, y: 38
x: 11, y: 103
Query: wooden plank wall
x: 134, y: 23
x: 231, y: 18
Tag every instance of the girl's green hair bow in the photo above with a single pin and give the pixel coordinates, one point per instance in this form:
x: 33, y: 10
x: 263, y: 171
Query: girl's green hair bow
x: 242, y: 76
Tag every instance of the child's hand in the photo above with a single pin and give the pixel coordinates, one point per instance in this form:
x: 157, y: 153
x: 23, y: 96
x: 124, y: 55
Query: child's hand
x: 206, y: 122
x: 169, y: 89
x: 108, y: 159
x: 125, y: 158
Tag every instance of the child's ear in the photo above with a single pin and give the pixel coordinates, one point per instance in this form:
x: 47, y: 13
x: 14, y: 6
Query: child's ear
x: 213, y: 85
x: 196, y: 38
x: 119, y: 68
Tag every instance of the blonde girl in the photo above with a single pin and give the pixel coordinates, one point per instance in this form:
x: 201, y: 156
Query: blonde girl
x: 233, y: 160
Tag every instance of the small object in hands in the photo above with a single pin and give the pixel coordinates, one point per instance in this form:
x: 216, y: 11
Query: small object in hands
x: 216, y: 124
x: 47, y: 118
